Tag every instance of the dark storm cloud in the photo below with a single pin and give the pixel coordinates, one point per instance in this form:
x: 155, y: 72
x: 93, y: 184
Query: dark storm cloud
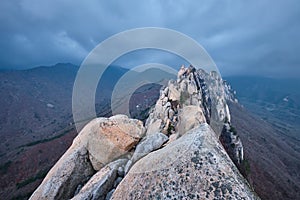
x: 257, y: 37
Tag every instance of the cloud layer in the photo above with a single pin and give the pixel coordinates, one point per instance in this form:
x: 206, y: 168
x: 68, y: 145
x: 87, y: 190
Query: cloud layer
x: 249, y: 38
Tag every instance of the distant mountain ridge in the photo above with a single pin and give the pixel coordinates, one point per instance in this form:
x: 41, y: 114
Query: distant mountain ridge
x: 275, y: 100
x: 25, y: 161
x: 36, y: 110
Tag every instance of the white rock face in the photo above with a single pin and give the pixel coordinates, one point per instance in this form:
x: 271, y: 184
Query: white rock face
x: 100, y: 142
x: 190, y: 117
x: 195, y: 166
x: 180, y: 157
x: 149, y: 144
x: 72, y: 169
x: 203, y: 91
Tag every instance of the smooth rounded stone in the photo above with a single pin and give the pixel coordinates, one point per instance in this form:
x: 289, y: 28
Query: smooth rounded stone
x: 195, y: 166
x: 154, y: 127
x: 148, y: 144
x: 101, y: 182
x: 128, y: 166
x: 98, y: 143
x: 71, y: 170
x: 190, y: 117
x: 172, y: 138
x: 121, y: 171
x: 110, y: 138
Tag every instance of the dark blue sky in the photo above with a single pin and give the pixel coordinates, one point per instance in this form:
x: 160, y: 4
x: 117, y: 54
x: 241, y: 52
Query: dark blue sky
x: 249, y: 38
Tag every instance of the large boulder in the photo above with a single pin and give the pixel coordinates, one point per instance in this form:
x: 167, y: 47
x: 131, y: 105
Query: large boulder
x: 195, y: 166
x: 72, y: 169
x: 110, y: 138
x: 190, y: 117
x: 149, y: 144
x: 99, y: 142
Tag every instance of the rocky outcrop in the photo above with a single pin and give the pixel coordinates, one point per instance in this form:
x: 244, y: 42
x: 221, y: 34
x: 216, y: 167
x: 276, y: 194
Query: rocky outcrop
x: 229, y: 92
x: 204, y: 91
x: 100, y: 142
x: 195, y: 166
x: 73, y: 168
x: 180, y: 156
x: 149, y: 144
x: 190, y: 117
x: 232, y: 143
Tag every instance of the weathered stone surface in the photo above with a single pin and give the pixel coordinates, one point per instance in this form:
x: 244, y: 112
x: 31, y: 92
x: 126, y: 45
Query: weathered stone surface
x: 154, y: 126
x: 191, y: 163
x: 107, y: 139
x: 149, y: 144
x: 194, y: 166
x: 190, y: 117
x: 100, y: 183
x: 213, y: 94
x: 174, y: 93
x: 100, y: 141
x: 72, y: 169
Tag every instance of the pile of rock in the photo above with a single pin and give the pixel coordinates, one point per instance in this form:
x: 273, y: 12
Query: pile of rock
x: 176, y: 154
x: 196, y: 92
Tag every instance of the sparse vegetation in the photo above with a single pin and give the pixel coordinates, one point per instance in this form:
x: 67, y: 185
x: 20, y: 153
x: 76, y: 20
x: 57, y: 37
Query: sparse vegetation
x: 37, y: 116
x: 41, y: 174
x: 170, y: 129
x: 5, y: 166
x: 233, y: 130
x: 245, y: 168
x: 45, y: 140
x: 21, y: 197
x: 226, y: 119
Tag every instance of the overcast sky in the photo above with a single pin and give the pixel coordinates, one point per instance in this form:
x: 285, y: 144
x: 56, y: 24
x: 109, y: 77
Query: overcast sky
x: 257, y: 37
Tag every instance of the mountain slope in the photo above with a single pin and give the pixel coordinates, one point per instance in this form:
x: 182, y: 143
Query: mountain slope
x: 36, y: 123
x: 273, y: 157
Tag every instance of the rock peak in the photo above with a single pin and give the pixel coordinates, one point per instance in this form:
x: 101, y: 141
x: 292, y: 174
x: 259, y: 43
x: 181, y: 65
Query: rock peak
x: 187, y: 149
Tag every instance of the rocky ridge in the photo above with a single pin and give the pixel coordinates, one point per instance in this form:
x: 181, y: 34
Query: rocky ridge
x: 177, y: 155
